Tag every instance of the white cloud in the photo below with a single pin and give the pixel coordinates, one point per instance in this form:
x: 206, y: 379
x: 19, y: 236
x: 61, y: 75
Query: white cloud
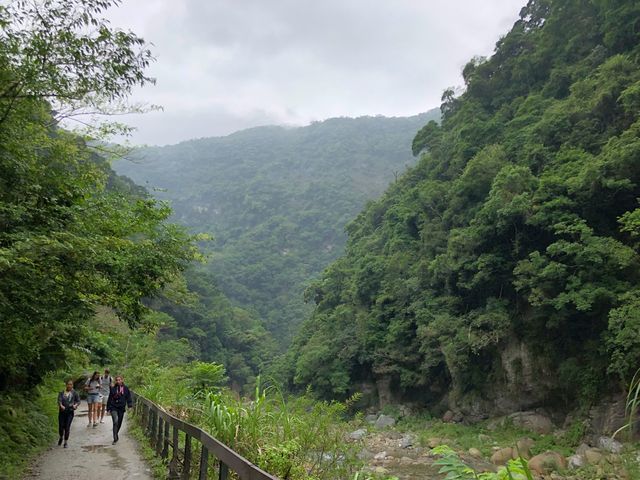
x: 223, y: 65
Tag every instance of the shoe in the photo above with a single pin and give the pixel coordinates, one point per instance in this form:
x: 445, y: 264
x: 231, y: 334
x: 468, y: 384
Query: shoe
x: 65, y: 444
x: 95, y: 424
x: 115, y: 440
x: 60, y: 441
x: 101, y: 421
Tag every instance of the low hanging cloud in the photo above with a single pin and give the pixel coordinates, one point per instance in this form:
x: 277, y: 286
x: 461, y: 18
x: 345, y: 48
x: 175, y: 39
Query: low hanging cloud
x: 225, y: 65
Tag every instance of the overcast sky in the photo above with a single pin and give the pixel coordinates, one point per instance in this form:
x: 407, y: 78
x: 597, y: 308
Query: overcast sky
x: 226, y: 65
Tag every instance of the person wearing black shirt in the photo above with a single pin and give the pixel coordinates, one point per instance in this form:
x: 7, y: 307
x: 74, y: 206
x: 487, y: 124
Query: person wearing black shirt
x: 68, y: 401
x: 119, y: 400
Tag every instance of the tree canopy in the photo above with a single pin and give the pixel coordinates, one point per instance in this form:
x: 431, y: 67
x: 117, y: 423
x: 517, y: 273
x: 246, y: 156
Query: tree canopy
x: 507, y: 260
x: 73, y: 235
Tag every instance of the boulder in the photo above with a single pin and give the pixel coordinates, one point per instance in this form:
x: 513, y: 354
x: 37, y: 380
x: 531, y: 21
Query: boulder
x: 407, y: 441
x: 448, y: 416
x: 582, y: 448
x: 547, y: 462
x: 484, y: 439
x: 593, y: 456
x: 576, y: 461
x: 358, y: 434
x: 610, y: 445
x: 371, y: 419
x: 385, y: 421
x: 523, y: 447
x: 392, y: 435
x: 380, y: 456
x: 365, y: 454
x: 533, y: 421
x: 433, y: 442
x: 502, y: 456
x: 608, y: 416
x: 475, y: 453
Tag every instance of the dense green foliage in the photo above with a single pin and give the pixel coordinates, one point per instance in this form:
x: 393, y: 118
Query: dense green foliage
x: 517, y: 230
x: 216, y: 330
x: 276, y: 201
x: 72, y: 234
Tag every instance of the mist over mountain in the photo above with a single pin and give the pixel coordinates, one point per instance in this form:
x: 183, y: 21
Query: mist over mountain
x: 277, y: 200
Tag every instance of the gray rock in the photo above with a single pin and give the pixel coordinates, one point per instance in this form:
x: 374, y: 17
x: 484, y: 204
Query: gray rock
x: 365, y: 454
x: 575, y: 461
x: 358, y: 434
x: 582, y: 448
x: 533, y: 421
x: 405, y: 410
x: 484, y: 439
x: 593, y: 456
x: 406, y: 441
x: 475, y: 453
x: 609, y: 445
x: 371, y: 419
x: 384, y: 421
x: 380, y: 456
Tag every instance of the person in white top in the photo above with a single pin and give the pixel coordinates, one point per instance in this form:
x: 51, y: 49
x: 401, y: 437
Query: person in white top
x: 92, y: 387
x: 106, y: 382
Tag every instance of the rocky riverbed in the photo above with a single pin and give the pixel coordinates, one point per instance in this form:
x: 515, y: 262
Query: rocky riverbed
x: 397, y: 451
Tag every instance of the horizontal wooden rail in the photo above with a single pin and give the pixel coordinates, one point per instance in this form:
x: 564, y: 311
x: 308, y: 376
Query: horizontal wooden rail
x: 164, y: 431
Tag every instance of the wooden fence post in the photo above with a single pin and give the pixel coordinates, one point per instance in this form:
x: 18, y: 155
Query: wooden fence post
x: 224, y: 471
x: 157, y: 424
x: 173, y: 465
x: 204, y: 455
x: 165, y: 443
x: 186, y: 466
x: 159, y: 438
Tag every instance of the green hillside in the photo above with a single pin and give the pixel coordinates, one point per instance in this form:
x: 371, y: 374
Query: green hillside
x: 276, y: 200
x: 502, y: 272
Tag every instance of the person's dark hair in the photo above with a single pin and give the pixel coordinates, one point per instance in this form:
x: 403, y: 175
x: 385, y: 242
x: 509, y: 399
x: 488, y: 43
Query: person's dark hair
x: 95, y: 376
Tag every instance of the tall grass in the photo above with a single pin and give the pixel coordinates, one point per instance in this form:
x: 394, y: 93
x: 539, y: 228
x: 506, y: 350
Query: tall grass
x: 292, y: 438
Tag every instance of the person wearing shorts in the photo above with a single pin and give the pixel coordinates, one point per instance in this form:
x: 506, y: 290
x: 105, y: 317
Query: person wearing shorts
x: 106, y: 382
x: 92, y: 387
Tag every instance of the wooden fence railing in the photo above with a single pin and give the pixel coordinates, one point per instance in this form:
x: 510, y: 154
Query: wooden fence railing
x: 173, y: 439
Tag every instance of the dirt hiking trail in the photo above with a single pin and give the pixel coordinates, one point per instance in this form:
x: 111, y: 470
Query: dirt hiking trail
x: 90, y: 455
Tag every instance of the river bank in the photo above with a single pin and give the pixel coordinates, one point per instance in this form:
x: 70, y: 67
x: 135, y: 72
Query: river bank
x: 407, y: 449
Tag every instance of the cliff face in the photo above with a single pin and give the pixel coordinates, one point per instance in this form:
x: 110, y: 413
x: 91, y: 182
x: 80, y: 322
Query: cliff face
x: 501, y: 273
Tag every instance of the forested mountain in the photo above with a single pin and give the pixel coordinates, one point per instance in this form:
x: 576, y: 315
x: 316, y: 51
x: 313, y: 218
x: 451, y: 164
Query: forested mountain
x: 502, y: 272
x: 276, y: 201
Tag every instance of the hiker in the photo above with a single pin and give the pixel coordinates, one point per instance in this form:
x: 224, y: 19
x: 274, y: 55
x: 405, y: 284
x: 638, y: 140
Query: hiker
x: 92, y: 387
x: 119, y: 400
x: 106, y: 382
x: 68, y: 401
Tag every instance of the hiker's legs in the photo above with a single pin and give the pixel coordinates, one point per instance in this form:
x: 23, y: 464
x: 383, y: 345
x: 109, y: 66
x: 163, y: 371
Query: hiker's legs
x: 103, y: 406
x: 67, y: 424
x: 61, y: 423
x: 120, y: 419
x: 116, y: 427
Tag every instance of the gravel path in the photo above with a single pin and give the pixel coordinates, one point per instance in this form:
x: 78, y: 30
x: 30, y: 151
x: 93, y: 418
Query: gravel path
x: 90, y: 455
